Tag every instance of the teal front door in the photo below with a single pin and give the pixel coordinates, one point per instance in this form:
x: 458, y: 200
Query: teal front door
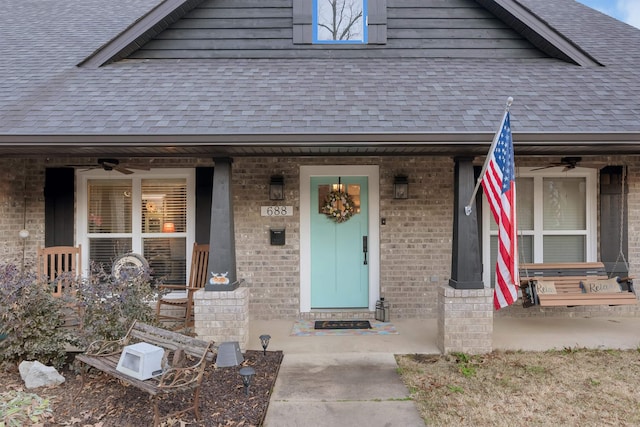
x: 339, y: 250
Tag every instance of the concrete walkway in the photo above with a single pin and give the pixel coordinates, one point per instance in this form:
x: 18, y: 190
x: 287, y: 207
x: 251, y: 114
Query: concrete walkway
x: 340, y: 389
x: 337, y: 381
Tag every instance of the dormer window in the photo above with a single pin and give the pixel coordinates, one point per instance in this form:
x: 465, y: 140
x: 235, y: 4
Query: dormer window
x: 339, y: 21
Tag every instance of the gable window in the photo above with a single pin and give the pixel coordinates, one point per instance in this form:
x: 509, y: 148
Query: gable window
x: 146, y: 213
x: 339, y: 21
x: 327, y: 22
x: 556, y: 219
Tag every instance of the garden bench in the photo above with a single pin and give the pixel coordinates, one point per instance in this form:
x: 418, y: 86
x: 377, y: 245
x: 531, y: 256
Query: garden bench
x: 189, y: 359
x: 573, y: 284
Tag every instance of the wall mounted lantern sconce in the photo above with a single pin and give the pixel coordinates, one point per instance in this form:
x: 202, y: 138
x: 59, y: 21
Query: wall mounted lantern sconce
x: 400, y: 187
x: 276, y: 188
x: 247, y: 374
x: 264, y: 340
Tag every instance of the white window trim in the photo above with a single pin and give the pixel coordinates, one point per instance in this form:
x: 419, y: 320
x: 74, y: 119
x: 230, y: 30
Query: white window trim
x: 82, y: 177
x: 591, y: 176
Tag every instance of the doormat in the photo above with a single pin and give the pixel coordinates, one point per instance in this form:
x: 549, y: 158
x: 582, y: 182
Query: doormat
x: 342, y: 324
x: 305, y: 328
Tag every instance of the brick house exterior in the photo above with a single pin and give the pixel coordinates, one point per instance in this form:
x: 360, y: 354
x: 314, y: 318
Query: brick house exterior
x: 410, y: 280
x: 402, y: 106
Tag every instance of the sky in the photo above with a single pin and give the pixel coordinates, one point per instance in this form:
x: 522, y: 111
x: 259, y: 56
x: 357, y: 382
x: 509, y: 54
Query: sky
x: 624, y: 10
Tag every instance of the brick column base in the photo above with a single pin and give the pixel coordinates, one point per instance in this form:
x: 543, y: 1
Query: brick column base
x: 222, y: 316
x: 465, y: 320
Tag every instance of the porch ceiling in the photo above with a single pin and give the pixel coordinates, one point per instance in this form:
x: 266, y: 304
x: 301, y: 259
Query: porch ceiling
x: 410, y: 144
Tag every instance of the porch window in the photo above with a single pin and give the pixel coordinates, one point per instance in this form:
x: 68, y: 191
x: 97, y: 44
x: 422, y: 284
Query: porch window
x: 556, y: 218
x: 164, y: 224
x: 143, y: 214
x: 109, y: 222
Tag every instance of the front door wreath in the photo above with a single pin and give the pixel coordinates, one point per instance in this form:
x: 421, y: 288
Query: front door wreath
x: 338, y: 205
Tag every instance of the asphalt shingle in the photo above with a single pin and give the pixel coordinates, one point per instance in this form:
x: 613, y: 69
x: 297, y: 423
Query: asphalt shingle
x: 42, y: 91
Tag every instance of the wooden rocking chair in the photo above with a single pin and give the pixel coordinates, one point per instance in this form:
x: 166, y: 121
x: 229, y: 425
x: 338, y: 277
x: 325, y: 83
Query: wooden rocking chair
x: 182, y: 296
x: 58, y: 265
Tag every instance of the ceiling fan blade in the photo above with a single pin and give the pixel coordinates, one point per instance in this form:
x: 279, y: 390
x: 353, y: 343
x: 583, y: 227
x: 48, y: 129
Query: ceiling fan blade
x: 138, y: 167
x: 89, y: 166
x: 123, y: 170
x: 126, y: 168
x: 110, y: 164
x: 544, y: 167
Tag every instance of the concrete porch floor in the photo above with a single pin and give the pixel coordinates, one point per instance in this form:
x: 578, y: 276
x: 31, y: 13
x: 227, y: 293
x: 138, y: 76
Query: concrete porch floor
x: 419, y: 336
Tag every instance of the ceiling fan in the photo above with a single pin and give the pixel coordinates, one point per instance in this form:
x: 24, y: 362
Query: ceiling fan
x: 568, y: 163
x: 112, y: 164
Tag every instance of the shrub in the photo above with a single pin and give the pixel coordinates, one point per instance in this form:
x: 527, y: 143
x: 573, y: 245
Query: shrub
x: 18, y: 408
x: 31, y: 318
x: 109, y: 304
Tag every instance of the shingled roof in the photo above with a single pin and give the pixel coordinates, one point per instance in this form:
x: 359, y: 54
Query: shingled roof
x: 252, y: 106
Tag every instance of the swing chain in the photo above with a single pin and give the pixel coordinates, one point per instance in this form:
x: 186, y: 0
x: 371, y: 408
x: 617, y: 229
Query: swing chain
x: 622, y: 211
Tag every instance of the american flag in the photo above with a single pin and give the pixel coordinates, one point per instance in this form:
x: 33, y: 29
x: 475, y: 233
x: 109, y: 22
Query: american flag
x: 498, y: 182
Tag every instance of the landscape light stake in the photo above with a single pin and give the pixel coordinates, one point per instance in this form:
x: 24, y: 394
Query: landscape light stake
x: 247, y: 374
x: 264, y: 340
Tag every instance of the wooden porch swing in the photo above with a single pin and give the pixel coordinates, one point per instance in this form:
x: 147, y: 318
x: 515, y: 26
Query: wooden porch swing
x: 578, y: 283
x: 573, y: 284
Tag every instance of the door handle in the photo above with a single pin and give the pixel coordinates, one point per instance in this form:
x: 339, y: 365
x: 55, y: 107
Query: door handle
x: 365, y: 248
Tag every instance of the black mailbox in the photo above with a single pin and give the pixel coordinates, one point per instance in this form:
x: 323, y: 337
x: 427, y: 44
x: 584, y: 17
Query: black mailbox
x: 277, y: 236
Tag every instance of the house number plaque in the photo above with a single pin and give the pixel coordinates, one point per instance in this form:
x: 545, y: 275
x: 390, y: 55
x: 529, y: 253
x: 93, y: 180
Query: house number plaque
x: 276, y: 210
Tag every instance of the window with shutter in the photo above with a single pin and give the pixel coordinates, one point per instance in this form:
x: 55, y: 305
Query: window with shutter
x: 340, y: 21
x: 147, y: 213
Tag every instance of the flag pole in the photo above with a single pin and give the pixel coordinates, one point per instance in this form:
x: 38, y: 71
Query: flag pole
x: 467, y: 209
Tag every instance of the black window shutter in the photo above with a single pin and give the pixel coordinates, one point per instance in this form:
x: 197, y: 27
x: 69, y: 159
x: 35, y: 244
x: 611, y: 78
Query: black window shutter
x: 204, y: 186
x: 612, y: 200
x: 59, y: 218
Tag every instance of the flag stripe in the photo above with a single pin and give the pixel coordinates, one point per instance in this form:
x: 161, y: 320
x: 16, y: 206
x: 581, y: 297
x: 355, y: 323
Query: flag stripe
x: 492, y: 190
x: 498, y: 182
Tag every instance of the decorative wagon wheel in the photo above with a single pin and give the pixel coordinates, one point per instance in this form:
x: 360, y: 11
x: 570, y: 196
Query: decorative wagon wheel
x: 131, y: 264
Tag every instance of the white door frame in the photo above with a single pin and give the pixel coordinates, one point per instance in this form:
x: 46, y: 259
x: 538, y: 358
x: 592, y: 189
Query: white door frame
x: 373, y: 174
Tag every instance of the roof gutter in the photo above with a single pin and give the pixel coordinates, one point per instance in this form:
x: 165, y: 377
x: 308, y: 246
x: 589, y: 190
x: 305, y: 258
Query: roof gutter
x: 312, y: 139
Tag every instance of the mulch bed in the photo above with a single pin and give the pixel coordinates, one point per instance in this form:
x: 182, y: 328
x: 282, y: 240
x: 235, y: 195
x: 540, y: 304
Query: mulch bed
x: 105, y: 401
